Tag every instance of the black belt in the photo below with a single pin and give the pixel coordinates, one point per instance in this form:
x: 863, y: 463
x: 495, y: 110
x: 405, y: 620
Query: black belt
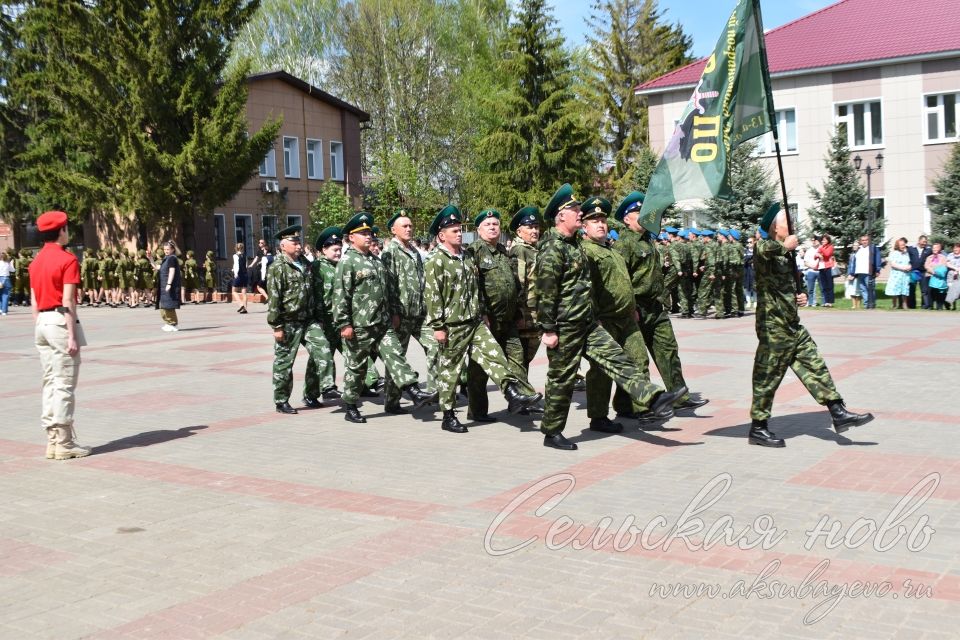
x: 60, y: 309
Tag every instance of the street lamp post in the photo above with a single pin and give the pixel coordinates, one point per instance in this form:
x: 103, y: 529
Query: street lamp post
x: 869, y: 170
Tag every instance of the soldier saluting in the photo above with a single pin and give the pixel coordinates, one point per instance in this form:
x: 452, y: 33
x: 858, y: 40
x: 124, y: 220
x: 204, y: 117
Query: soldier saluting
x: 783, y: 341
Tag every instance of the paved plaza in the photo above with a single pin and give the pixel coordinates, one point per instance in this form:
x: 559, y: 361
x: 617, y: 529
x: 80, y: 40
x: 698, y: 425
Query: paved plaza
x: 203, y: 513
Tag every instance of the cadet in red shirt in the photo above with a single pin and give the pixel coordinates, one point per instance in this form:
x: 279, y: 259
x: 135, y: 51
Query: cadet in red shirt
x: 54, y: 278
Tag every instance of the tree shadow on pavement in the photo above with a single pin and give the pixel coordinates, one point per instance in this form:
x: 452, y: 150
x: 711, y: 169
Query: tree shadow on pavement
x: 812, y: 423
x: 148, y: 438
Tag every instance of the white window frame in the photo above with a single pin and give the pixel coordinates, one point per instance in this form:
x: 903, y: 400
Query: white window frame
x: 272, y: 228
x: 268, y: 166
x: 334, y: 158
x: 291, y: 157
x: 927, y: 213
x: 765, y: 146
x: 867, y: 122
x: 293, y: 219
x: 940, y: 112
x: 317, y: 154
x: 220, y: 235
x: 248, y: 240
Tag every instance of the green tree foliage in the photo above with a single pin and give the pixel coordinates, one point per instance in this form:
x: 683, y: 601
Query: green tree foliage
x: 332, y: 208
x: 401, y: 186
x: 629, y: 43
x: 753, y: 191
x: 541, y: 133
x: 841, y: 210
x: 139, y: 116
x: 946, y: 208
x: 638, y: 174
x: 13, y: 122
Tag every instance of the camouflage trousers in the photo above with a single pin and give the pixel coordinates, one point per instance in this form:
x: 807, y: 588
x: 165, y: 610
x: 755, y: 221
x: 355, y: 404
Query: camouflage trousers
x: 358, y: 356
x: 471, y: 340
x: 285, y: 353
x: 775, y: 353
x: 590, y: 341
x: 707, y: 293
x: 661, y: 341
x: 530, y: 343
x: 413, y: 328
x: 626, y: 333
x: 686, y: 294
x: 322, y: 376
x: 739, y: 298
x: 728, y: 295
x: 507, y: 338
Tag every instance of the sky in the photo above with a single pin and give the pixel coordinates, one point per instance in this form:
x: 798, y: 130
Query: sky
x: 703, y: 20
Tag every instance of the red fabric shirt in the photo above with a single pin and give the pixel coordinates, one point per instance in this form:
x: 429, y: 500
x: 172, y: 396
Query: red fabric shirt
x: 50, y: 270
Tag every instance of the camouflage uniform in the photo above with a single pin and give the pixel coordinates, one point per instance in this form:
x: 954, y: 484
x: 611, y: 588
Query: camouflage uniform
x: 499, y: 293
x: 191, y: 275
x: 707, y: 291
x: 735, y: 262
x: 565, y: 307
x: 360, y: 301
x: 210, y: 271
x: 673, y: 254
x: 617, y: 313
x: 88, y: 271
x: 21, y: 275
x: 523, y: 259
x: 144, y: 271
x: 685, y: 286
x: 452, y: 296
x: 288, y: 308
x: 783, y: 341
x: 404, y: 268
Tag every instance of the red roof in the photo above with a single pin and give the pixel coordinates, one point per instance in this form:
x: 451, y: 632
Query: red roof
x: 850, y: 32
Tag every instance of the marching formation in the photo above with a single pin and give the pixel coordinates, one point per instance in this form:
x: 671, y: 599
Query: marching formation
x: 481, y: 312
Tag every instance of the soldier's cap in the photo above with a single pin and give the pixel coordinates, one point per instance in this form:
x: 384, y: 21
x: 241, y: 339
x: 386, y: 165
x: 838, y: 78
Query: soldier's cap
x: 672, y: 230
x: 613, y: 235
x: 595, y: 207
x: 683, y: 233
x: 483, y: 215
x: 735, y: 234
x: 402, y: 213
x: 763, y: 234
x: 209, y: 254
x: 51, y: 221
x: 562, y: 199
x: 361, y: 221
x: 449, y: 216
x: 706, y: 232
x: 662, y: 236
x: 527, y: 216
x: 722, y: 232
x: 290, y: 233
x: 632, y: 202
x: 769, y: 216
x: 190, y: 252
x: 329, y: 236
x: 375, y: 230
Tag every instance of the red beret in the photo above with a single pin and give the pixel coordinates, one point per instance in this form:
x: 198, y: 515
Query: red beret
x: 51, y: 221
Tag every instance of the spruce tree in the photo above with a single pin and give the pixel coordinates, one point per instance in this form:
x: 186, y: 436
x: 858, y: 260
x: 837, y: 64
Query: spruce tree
x: 946, y: 209
x: 841, y: 210
x: 753, y: 191
x: 540, y: 133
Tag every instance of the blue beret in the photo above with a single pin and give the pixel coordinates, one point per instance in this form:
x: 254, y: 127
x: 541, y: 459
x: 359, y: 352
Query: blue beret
x: 706, y: 232
x: 735, y: 234
x: 662, y: 236
x: 613, y: 235
x: 763, y: 234
x: 671, y: 229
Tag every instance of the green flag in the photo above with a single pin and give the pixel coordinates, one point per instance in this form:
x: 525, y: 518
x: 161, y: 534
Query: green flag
x: 730, y: 105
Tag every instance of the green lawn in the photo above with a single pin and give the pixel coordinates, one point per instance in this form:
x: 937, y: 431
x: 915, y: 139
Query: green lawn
x: 883, y: 302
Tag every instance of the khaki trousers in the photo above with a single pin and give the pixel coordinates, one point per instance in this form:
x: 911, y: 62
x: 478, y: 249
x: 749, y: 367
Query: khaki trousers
x: 169, y: 316
x: 60, y: 369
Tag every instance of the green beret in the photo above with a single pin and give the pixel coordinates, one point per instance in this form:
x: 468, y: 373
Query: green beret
x: 769, y: 216
x: 629, y: 204
x: 483, y: 215
x: 594, y: 207
x: 562, y: 199
x: 362, y: 221
x: 447, y: 217
x: 375, y: 230
x: 524, y: 217
x: 290, y: 233
x: 402, y: 213
x: 329, y: 236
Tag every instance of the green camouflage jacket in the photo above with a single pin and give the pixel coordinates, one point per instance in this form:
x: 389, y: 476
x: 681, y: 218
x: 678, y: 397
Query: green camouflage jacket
x: 679, y: 253
x: 612, y: 290
x: 776, y: 289
x: 190, y: 269
x: 290, y: 291
x: 523, y: 259
x: 734, y: 261
x: 360, y: 292
x: 451, y: 290
x: 563, y: 282
x: 323, y: 274
x: 403, y: 268
x: 499, y: 288
x: 643, y: 264
x: 708, y: 258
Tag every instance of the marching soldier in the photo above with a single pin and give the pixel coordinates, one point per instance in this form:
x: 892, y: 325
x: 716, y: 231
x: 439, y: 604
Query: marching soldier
x: 706, y: 292
x: 320, y: 377
x: 21, y: 275
x: 361, y: 316
x: 672, y: 253
x: 783, y: 341
x: 570, y: 330
x: 404, y: 270
x: 453, y: 312
x: 88, y: 274
x: 525, y: 224
x: 209, y: 275
x: 191, y: 277
x: 736, y: 272
x: 685, y: 268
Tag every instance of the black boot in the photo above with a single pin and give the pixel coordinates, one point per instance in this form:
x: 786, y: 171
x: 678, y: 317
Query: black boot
x: 379, y: 384
x: 331, y: 394
x: 662, y: 405
x: 843, y: 419
x: 312, y: 403
x: 516, y: 400
x: 369, y: 392
x: 557, y: 441
x: 284, y: 407
x: 450, y: 422
x: 418, y: 396
x: 690, y: 403
x: 480, y: 417
x: 395, y: 409
x: 760, y: 435
x: 579, y: 383
x: 353, y: 414
x: 605, y: 425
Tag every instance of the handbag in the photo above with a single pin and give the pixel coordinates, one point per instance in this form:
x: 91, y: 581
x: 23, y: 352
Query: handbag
x: 835, y: 271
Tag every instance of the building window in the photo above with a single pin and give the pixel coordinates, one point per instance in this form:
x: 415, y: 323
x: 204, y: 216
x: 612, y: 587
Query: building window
x: 930, y: 200
x: 315, y: 159
x: 268, y: 166
x: 243, y: 232
x: 786, y: 130
x: 940, y: 112
x: 291, y: 157
x: 292, y: 220
x: 863, y: 123
x: 269, y: 228
x: 220, y: 235
x: 336, y: 161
